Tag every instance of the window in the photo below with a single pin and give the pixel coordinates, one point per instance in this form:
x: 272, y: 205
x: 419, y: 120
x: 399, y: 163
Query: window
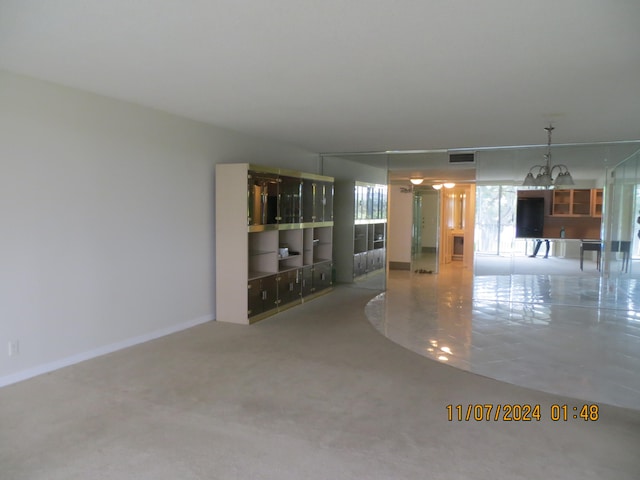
x: 495, y: 220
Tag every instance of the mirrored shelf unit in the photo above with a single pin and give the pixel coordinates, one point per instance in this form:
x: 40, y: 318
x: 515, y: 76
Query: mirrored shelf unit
x: 274, y: 240
x: 360, y: 230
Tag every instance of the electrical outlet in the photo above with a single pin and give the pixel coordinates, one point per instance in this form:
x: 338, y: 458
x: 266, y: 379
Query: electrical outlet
x: 14, y: 348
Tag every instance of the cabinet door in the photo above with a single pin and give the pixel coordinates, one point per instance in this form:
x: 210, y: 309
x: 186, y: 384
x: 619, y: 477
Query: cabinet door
x: 364, y: 263
x: 328, y: 204
x: 322, y: 276
x: 289, y: 200
x: 371, y: 260
x: 254, y: 296
x: 596, y: 202
x: 306, y: 286
x: 295, y: 284
x: 379, y: 202
x: 581, y: 202
x: 262, y: 198
x: 360, y: 202
x: 357, y: 258
x: 370, y: 201
x: 376, y: 202
x: 562, y: 202
x: 308, y: 200
x: 359, y: 264
x: 319, y: 200
x: 374, y: 262
x: 269, y: 287
x: 288, y: 287
x: 382, y: 257
x: 383, y: 202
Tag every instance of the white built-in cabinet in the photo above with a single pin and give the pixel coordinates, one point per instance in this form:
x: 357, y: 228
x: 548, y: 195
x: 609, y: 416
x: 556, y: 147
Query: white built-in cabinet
x: 360, y: 229
x: 274, y: 240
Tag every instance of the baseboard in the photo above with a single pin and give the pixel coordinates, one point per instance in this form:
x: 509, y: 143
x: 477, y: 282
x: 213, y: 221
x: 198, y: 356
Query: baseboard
x: 81, y: 357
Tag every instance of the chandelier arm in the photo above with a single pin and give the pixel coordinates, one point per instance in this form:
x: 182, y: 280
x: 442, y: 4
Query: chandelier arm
x: 544, y: 177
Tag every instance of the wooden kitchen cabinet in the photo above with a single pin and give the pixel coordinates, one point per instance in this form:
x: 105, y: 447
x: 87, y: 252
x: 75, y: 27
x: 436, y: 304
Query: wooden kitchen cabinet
x: 577, y: 202
x: 596, y: 202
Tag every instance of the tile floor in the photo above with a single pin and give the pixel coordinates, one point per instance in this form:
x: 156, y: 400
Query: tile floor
x: 577, y: 336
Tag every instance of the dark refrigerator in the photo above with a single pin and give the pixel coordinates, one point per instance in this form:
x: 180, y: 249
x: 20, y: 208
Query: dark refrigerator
x: 530, y: 217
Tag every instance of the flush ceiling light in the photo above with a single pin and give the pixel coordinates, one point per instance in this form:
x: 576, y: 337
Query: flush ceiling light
x: 544, y: 177
x: 438, y: 186
x: 416, y: 181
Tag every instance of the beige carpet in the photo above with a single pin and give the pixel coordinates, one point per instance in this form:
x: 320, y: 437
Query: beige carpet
x: 313, y: 393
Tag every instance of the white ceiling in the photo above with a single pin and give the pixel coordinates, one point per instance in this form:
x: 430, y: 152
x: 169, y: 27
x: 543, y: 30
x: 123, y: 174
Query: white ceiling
x: 345, y: 76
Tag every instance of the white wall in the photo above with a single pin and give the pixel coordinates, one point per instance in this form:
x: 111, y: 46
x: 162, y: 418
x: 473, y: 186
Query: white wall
x: 107, y: 221
x: 400, y: 225
x: 430, y: 209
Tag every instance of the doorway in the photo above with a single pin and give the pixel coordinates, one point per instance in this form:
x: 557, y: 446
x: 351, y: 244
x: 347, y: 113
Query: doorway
x: 425, y: 230
x: 457, y: 225
x: 443, y: 223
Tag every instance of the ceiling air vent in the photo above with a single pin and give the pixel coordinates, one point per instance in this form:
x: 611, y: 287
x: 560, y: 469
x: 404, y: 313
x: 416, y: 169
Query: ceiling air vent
x: 462, y: 158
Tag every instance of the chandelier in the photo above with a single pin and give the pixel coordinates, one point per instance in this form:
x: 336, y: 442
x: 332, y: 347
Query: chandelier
x: 544, y: 176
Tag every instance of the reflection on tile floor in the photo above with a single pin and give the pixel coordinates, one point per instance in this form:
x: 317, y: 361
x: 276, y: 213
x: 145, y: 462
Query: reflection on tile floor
x: 573, y: 336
